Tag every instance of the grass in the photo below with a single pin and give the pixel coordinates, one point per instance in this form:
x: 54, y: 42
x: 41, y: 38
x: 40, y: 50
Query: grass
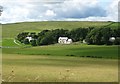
x: 93, y: 51
x: 77, y: 50
x: 11, y: 30
x: 43, y: 68
x: 8, y: 42
x: 57, y: 63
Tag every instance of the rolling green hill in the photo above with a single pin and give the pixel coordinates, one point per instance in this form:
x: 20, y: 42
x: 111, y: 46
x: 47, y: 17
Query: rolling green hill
x: 11, y: 30
x: 57, y: 63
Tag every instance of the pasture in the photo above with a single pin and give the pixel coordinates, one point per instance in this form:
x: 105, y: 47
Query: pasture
x: 8, y: 42
x: 57, y: 63
x: 61, y: 63
x: 92, y: 51
x: 11, y: 30
x: 42, y: 68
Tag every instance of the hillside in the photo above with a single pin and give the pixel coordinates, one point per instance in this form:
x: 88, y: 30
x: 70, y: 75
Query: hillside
x: 11, y: 30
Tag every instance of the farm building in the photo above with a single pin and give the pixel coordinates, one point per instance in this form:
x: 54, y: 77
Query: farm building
x: 112, y: 39
x: 29, y: 38
x: 64, y: 40
x: 84, y: 41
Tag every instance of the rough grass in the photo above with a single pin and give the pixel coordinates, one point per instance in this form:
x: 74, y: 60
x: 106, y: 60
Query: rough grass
x: 11, y: 30
x: 57, y: 63
x: 27, y: 68
x: 79, y: 50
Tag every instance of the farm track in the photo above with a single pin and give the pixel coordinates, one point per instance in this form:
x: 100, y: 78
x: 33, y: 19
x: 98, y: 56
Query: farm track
x: 16, y: 42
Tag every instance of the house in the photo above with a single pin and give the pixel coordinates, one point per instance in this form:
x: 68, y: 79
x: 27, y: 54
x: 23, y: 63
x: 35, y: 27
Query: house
x: 112, y: 39
x: 29, y: 38
x: 64, y: 40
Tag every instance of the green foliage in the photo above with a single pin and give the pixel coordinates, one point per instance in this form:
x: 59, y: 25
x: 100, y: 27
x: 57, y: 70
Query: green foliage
x: 101, y: 36
x: 33, y: 43
x: 78, y: 34
x: 21, y: 36
x: 46, y: 40
x: 33, y: 35
x: 98, y: 36
x: 26, y: 41
x: 47, y: 37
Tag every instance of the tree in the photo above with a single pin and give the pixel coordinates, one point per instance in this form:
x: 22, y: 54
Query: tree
x: 78, y: 34
x: 117, y: 41
x: 99, y: 36
x: 48, y: 39
x: 42, y: 33
x: 59, y: 33
x: 26, y: 41
x: 94, y: 37
x: 38, y: 41
x: 22, y: 36
x: 33, y: 43
x: 107, y: 33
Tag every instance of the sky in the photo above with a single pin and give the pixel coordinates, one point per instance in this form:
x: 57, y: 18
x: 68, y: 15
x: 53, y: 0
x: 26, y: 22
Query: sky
x: 58, y: 10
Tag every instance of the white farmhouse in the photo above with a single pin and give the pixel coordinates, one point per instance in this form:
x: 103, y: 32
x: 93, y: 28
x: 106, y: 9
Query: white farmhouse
x: 29, y: 38
x: 64, y: 40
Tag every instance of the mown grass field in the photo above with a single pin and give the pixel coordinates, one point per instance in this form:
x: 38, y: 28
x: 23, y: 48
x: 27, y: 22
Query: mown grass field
x: 10, y: 42
x: 57, y: 63
x: 92, y: 51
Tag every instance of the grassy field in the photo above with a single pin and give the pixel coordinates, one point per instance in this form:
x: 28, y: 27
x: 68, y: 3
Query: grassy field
x: 91, y: 51
x: 11, y: 30
x: 57, y: 63
x: 11, y: 42
x: 42, y: 68
x: 61, y: 63
x: 8, y: 42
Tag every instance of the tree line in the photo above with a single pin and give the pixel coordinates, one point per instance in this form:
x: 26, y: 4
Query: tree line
x: 95, y: 36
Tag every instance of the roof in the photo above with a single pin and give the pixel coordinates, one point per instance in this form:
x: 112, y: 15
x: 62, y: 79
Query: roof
x: 65, y: 38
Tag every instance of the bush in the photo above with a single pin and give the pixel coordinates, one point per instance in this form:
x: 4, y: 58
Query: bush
x: 33, y: 43
x: 26, y: 41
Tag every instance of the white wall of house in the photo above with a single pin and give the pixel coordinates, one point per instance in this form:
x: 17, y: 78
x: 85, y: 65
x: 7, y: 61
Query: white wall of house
x: 29, y: 38
x: 64, y: 40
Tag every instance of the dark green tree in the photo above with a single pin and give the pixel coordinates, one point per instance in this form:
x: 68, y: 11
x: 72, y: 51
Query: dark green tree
x: 22, y: 36
x: 33, y: 43
x: 78, y: 34
x: 26, y: 41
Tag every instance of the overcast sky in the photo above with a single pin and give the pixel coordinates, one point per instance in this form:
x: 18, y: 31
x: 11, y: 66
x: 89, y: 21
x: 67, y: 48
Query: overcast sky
x: 59, y: 10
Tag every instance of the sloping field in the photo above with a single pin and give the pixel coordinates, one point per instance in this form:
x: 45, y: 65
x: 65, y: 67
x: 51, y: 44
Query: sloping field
x: 11, y: 30
x: 57, y: 63
x: 11, y: 42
